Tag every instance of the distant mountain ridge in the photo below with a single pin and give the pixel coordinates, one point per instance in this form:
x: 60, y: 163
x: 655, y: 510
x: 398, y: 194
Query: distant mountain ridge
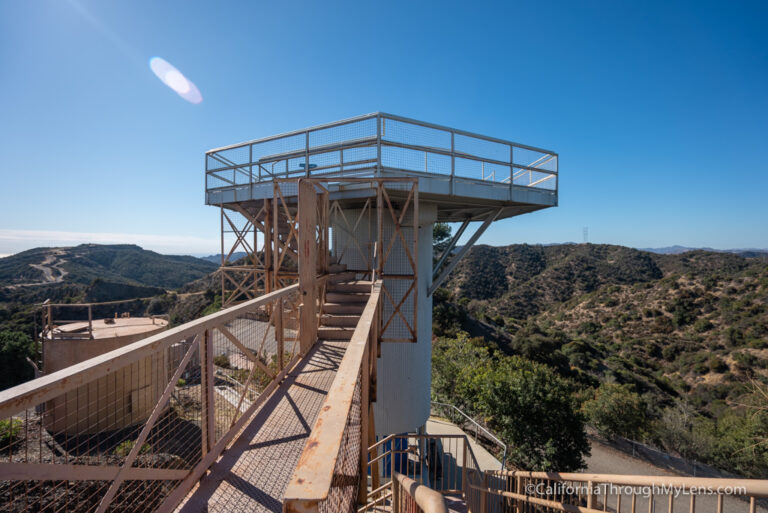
x: 677, y: 250
x: 118, y: 263
x: 216, y: 259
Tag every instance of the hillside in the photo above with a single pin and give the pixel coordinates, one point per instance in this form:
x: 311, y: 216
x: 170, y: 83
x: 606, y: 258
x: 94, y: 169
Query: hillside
x: 95, y: 273
x: 115, y: 263
x: 687, y: 332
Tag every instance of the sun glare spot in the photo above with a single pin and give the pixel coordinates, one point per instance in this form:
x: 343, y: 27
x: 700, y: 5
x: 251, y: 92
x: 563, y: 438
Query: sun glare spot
x: 175, y: 80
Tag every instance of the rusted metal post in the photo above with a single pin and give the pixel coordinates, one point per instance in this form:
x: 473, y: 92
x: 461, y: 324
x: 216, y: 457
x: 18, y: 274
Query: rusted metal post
x: 279, y: 333
x: 206, y: 384
x: 519, y: 487
x: 90, y: 321
x: 307, y: 264
x: 484, y: 493
x: 464, y: 487
x: 395, y: 493
x: 364, y: 411
x: 591, y: 499
x: 268, y: 264
x: 275, y: 235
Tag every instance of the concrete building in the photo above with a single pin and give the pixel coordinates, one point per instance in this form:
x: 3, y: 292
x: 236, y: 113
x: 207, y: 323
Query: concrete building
x: 115, y: 401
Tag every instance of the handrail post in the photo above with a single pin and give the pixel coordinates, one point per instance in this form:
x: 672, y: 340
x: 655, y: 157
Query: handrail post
x: 395, y: 493
x: 591, y: 498
x: 307, y: 217
x: 279, y: 333
x: 362, y: 495
x: 90, y: 320
x: 464, y: 487
x: 484, y: 494
x: 206, y: 384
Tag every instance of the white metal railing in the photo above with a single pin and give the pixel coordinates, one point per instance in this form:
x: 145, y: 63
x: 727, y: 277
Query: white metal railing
x: 377, y: 144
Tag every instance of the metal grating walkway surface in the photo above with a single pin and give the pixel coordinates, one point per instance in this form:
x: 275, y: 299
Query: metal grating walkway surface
x: 253, y: 474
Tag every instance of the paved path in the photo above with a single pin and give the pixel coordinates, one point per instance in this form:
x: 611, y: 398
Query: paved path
x: 607, y: 460
x: 486, y: 461
x: 254, y: 473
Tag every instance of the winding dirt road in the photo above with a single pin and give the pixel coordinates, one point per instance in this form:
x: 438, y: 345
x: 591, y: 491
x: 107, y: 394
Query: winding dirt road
x: 51, y: 269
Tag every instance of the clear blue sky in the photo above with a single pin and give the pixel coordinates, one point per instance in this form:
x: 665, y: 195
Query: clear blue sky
x: 658, y: 109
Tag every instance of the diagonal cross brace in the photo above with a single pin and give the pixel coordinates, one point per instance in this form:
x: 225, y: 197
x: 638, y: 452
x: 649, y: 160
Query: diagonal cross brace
x: 463, y: 251
x: 449, y: 249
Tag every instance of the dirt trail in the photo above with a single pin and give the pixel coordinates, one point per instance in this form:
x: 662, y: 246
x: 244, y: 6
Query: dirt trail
x: 51, y: 269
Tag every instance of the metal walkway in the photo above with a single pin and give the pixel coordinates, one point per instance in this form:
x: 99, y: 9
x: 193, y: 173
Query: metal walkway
x: 253, y: 473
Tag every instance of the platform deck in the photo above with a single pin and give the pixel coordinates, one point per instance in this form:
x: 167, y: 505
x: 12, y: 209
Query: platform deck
x: 253, y: 473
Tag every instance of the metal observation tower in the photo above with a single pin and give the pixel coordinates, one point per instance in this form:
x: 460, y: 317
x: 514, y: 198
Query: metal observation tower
x: 310, y: 390
x: 378, y: 183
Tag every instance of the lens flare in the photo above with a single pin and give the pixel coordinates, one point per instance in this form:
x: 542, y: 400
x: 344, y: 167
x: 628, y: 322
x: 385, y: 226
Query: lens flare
x: 175, y: 80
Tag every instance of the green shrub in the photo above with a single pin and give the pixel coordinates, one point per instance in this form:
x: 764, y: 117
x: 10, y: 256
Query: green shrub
x: 717, y: 365
x: 10, y: 429
x: 125, y: 447
x: 616, y: 410
x: 15, y: 348
x: 222, y: 361
x: 526, y: 403
x: 181, y: 382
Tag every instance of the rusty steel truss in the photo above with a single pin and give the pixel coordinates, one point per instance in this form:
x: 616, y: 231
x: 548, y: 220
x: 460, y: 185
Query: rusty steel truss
x: 268, y: 232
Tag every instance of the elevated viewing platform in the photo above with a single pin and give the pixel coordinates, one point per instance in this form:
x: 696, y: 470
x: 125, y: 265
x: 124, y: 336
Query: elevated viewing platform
x: 463, y: 173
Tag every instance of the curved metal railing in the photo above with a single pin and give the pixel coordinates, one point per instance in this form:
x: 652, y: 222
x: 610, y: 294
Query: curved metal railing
x: 409, y: 496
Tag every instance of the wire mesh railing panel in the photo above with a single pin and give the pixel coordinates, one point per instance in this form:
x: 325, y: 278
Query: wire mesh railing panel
x: 405, y: 132
x: 122, y: 431
x: 373, y: 144
x: 334, y: 135
x: 69, y: 451
x: 537, y: 159
x: 531, y: 178
x: 482, y: 148
x: 328, y: 474
x: 342, y: 495
x: 248, y: 352
x: 351, y: 236
x: 363, y: 156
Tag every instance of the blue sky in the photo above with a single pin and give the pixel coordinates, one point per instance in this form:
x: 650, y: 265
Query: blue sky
x: 657, y: 109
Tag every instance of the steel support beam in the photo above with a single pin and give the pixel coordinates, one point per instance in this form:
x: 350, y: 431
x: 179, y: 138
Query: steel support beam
x: 449, y: 249
x: 463, y: 251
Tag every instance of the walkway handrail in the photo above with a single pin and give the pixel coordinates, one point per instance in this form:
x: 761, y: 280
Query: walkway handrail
x: 751, y: 487
x: 407, y: 493
x: 16, y: 399
x: 143, y: 422
x: 487, y: 433
x: 570, y: 492
x: 31, y: 393
x: 331, y: 448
